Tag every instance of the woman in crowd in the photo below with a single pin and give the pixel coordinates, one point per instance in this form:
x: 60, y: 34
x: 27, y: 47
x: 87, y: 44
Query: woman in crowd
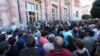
x: 81, y: 51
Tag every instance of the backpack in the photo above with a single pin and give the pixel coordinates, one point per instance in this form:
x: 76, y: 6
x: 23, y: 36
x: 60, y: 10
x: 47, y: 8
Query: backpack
x: 82, y: 54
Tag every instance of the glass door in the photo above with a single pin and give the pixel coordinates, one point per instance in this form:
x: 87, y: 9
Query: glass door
x: 32, y: 17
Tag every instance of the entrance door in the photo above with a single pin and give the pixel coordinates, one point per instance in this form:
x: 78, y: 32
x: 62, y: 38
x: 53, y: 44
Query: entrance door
x: 32, y: 11
x: 32, y: 17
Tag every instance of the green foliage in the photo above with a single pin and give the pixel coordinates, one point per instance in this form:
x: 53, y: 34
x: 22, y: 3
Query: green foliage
x: 86, y: 16
x: 95, y: 11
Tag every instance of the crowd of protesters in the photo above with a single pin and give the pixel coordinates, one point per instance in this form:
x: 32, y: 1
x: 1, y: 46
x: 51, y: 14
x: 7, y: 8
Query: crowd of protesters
x: 54, y: 38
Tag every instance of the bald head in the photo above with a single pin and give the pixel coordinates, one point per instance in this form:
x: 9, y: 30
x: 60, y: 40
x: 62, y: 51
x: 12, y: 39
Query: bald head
x: 58, y: 42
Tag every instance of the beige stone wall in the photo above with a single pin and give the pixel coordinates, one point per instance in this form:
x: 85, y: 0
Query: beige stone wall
x: 22, y: 7
x: 9, y: 10
x: 4, y: 13
x: 13, y: 11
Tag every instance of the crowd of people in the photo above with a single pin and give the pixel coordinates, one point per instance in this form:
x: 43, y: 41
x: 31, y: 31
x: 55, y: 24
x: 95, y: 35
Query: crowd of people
x: 54, y: 38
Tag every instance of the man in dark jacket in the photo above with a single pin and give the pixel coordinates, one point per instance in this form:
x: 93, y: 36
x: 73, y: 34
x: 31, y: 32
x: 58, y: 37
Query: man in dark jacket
x: 3, y: 45
x: 21, y: 41
x: 31, y: 50
x: 13, y: 49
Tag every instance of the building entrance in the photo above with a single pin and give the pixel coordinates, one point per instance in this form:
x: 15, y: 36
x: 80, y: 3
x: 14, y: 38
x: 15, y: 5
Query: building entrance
x: 32, y: 17
x: 32, y: 11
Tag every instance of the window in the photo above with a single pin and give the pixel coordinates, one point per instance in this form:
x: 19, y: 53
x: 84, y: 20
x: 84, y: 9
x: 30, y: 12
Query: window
x: 33, y: 11
x: 37, y: 7
x: 54, y: 12
x: 30, y: 7
x: 77, y: 14
x: 66, y: 2
x: 65, y: 13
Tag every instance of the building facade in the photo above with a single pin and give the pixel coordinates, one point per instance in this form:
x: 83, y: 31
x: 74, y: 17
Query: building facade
x: 86, y: 9
x: 75, y: 10
x: 23, y: 11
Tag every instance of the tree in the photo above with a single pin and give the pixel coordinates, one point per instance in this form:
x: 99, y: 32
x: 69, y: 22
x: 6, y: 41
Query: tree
x: 86, y: 16
x: 95, y: 11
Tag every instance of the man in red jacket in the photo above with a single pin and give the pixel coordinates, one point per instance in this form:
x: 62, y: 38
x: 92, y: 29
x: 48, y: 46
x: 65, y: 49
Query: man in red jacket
x: 58, y: 50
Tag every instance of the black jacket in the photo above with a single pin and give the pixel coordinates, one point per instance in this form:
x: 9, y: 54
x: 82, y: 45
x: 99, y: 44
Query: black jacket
x: 31, y: 51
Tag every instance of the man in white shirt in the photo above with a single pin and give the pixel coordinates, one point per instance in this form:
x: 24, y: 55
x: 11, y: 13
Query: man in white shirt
x: 13, y: 27
x: 97, y: 34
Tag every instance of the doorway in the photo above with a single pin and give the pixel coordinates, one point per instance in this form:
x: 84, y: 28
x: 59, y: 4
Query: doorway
x: 32, y: 17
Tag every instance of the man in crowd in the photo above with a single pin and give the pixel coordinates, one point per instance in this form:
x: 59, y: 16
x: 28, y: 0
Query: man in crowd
x: 97, y: 34
x: 30, y: 50
x: 58, y: 50
x: 53, y: 47
x: 66, y: 34
x: 49, y: 46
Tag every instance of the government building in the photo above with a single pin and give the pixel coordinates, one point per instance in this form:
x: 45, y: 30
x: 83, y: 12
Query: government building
x: 23, y: 11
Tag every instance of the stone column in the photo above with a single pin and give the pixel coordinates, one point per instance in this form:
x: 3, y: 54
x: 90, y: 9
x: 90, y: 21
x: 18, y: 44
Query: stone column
x: 4, y: 12
x: 13, y: 11
x: 49, y: 9
x: 59, y: 11
x: 22, y: 7
x: 43, y: 12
